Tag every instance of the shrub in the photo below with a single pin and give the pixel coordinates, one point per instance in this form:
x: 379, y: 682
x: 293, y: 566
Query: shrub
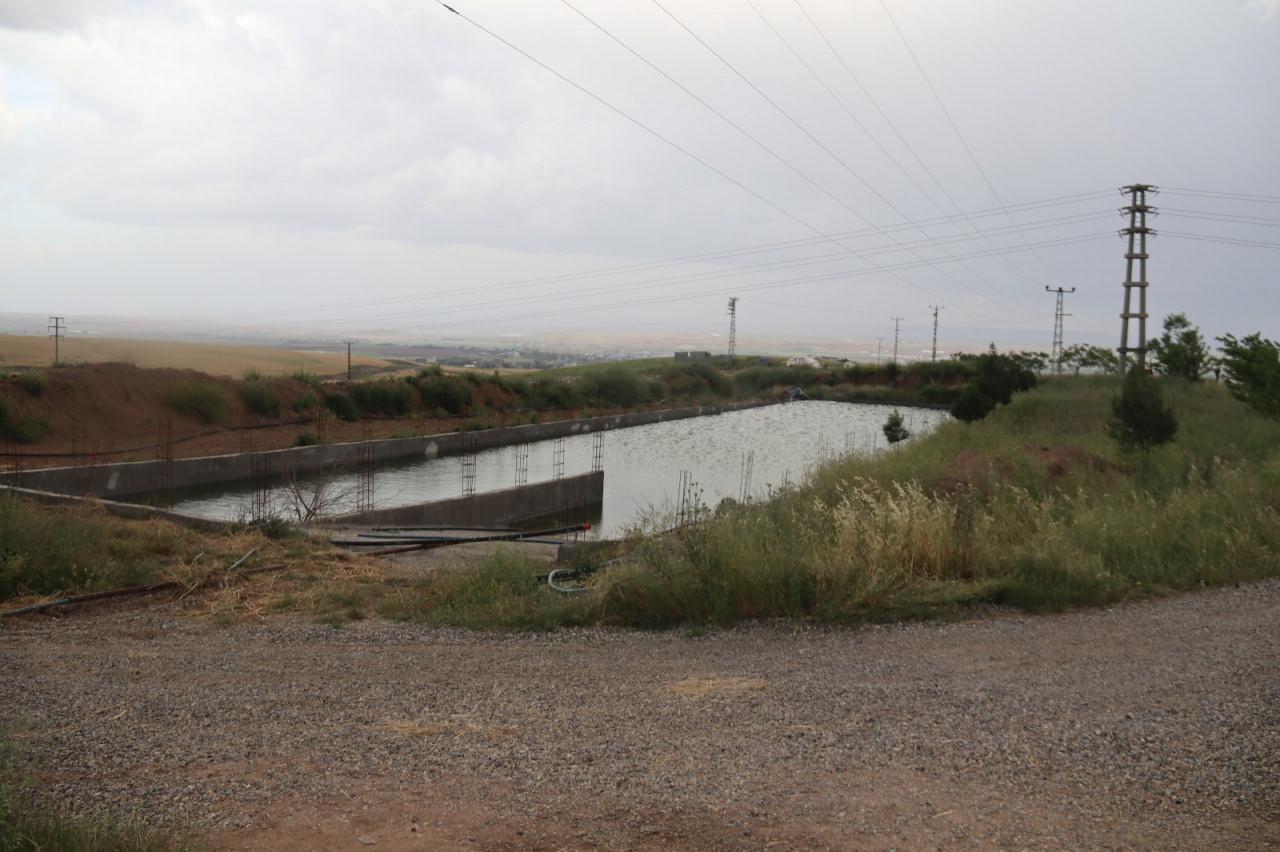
x: 341, y: 406
x: 260, y: 398
x: 306, y: 377
x: 304, y: 403
x: 936, y: 394
x: 306, y: 439
x: 253, y: 375
x: 387, y: 398
x: 204, y: 401
x: 34, y: 382
x: 972, y: 405
x: 895, y: 429
x: 615, y: 386
x: 447, y: 394
x: 29, y: 429
x: 553, y: 393
x: 1140, y: 419
x: 696, y: 380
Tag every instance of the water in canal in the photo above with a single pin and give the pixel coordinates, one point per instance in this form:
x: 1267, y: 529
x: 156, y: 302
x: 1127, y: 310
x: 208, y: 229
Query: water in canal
x: 643, y: 465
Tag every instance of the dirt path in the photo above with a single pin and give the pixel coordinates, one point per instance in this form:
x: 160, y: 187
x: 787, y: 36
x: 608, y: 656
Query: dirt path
x: 1155, y: 725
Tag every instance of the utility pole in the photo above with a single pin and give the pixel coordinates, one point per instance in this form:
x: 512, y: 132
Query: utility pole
x: 897, y: 327
x: 733, y: 326
x: 1057, y: 326
x: 879, y: 343
x: 936, y: 308
x: 1137, y: 232
x: 58, y: 326
x: 348, y: 360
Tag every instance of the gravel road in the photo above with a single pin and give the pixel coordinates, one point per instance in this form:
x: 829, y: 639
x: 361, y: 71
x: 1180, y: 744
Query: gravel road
x: 1151, y: 725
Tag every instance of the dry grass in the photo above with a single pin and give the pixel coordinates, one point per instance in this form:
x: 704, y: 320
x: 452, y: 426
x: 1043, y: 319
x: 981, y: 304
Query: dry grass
x: 708, y: 687
x: 214, y: 359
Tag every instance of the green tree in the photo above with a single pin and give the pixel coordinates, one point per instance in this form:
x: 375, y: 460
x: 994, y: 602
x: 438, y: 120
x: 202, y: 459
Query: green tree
x: 1252, y: 368
x: 1086, y: 356
x: 895, y: 429
x: 1181, y: 350
x: 1140, y: 418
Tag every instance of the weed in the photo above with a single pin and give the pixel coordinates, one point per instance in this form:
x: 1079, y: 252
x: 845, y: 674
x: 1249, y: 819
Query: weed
x: 306, y: 438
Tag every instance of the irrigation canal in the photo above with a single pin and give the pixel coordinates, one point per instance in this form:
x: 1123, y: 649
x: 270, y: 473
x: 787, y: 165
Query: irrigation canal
x: 724, y: 455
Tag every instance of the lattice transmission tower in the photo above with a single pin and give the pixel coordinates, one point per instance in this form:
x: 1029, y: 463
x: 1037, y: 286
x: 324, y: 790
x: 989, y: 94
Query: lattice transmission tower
x: 733, y: 326
x: 1137, y: 210
x: 1057, y: 325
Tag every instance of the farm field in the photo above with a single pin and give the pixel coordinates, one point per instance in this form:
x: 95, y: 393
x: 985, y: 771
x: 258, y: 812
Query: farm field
x: 218, y: 359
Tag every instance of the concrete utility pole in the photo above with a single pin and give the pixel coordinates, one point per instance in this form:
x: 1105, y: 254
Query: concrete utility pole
x: 733, y: 326
x: 879, y: 343
x: 1057, y: 326
x: 348, y: 360
x: 58, y: 326
x: 1137, y: 232
x: 936, y: 308
x: 897, y: 327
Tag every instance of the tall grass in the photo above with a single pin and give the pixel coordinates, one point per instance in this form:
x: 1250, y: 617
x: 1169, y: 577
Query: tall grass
x: 1033, y: 507
x: 45, y: 551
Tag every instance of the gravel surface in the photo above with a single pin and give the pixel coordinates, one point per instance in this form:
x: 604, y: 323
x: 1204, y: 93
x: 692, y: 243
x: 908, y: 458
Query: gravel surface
x: 1153, y: 725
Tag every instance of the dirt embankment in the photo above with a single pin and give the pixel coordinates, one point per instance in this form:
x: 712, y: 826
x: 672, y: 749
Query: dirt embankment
x: 119, y: 412
x: 100, y: 408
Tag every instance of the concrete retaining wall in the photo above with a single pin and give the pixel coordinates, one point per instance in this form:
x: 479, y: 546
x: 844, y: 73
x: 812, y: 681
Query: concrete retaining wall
x: 124, y: 478
x: 572, y: 499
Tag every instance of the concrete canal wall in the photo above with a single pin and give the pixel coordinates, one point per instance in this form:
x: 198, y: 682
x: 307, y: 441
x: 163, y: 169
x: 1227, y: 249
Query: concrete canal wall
x: 570, y: 499
x: 126, y: 478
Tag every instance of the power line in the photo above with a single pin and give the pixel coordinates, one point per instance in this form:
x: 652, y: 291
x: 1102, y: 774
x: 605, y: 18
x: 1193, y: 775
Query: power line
x: 786, y: 263
x: 889, y: 121
x: 858, y: 123
x: 778, y: 108
x: 646, y: 128
x: 1230, y: 196
x: 1225, y: 240
x: 1214, y: 216
x: 951, y: 121
x: 760, y: 248
x: 739, y: 287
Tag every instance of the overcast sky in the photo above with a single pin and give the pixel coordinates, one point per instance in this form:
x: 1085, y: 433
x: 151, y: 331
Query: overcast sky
x: 350, y: 165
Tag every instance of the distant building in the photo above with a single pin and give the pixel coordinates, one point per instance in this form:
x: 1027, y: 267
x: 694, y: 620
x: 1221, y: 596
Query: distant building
x: 693, y: 356
x: 803, y: 361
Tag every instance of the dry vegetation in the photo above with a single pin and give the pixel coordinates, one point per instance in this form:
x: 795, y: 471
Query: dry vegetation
x: 20, y: 351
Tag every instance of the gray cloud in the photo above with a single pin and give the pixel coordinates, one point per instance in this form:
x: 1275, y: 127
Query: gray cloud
x: 261, y: 136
